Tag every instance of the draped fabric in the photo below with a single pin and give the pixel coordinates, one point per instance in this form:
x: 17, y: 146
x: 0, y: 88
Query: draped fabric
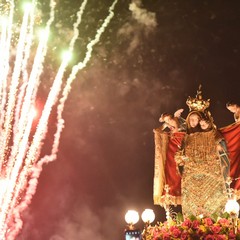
x: 231, y: 134
x: 165, y: 171
x: 173, y: 178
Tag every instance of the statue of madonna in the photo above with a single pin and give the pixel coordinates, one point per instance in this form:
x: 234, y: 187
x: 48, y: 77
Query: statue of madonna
x: 196, y: 164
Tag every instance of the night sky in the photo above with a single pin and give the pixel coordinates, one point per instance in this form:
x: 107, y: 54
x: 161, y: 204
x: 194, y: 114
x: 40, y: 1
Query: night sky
x: 152, y: 56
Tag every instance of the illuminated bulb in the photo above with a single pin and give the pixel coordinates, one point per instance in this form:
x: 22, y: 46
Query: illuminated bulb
x: 67, y: 55
x: 131, y: 217
x: 27, y: 7
x: 148, y: 215
x: 232, y: 206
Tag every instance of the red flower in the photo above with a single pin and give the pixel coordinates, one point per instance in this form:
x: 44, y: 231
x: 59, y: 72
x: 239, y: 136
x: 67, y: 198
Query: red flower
x: 195, y: 224
x: 208, y: 221
x: 204, y: 228
x: 187, y: 223
x: 166, y: 236
x: 209, y: 237
x: 184, y: 235
x: 175, y: 231
x: 224, y: 222
x: 221, y: 237
x: 215, y: 229
x: 231, y: 235
x: 155, y: 232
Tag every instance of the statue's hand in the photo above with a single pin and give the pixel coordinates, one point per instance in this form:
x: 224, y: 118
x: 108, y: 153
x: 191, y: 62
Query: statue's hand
x: 180, y: 159
x: 178, y: 112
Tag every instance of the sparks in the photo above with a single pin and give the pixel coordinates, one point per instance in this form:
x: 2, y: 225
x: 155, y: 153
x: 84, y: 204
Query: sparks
x: 20, y: 143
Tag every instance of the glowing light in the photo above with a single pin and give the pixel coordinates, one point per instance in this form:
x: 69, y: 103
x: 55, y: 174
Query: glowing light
x: 27, y: 6
x: 148, y: 216
x: 20, y: 142
x: 43, y: 34
x: 232, y: 206
x: 67, y: 55
x: 131, y: 217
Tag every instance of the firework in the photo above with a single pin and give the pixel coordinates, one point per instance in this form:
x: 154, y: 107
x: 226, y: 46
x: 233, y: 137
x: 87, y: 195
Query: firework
x: 20, y: 143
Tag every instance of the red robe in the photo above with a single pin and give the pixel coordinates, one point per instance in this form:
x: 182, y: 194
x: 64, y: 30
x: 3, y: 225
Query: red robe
x: 231, y: 135
x: 165, y: 172
x: 165, y: 166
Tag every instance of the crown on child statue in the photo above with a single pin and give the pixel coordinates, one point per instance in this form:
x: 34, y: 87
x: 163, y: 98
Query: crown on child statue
x: 198, y: 103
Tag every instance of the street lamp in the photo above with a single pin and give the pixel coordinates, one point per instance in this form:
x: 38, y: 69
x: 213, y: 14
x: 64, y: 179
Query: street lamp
x: 132, y: 217
x: 148, y: 217
x: 232, y: 208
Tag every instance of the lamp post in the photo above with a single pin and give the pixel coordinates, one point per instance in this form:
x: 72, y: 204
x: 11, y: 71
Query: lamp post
x: 132, y: 217
x: 148, y: 217
x: 232, y: 206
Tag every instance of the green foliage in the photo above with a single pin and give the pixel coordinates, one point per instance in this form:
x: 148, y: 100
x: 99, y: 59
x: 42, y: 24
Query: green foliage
x: 179, y: 217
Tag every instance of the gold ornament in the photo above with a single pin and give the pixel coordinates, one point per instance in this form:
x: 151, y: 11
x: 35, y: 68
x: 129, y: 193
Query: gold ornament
x: 198, y: 103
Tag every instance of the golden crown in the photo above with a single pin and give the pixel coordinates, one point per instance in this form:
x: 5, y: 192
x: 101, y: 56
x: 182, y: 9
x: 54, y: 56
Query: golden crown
x: 198, y: 103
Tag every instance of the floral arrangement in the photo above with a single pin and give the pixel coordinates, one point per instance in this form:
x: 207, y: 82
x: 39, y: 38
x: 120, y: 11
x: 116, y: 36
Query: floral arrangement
x: 207, y: 228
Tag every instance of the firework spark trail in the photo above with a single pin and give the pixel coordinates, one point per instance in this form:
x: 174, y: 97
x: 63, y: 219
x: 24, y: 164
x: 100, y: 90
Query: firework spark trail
x: 76, y: 24
x: 3, y: 186
x: 47, y: 30
x: 12, y: 181
x: 60, y: 121
x: 14, y: 176
x: 37, y: 168
x: 7, y: 124
x: 67, y: 88
x: 33, y: 83
x: 13, y: 90
x: 22, y: 134
x: 25, y: 103
x: 24, y: 169
x: 2, y: 64
x: 35, y: 149
x: 32, y: 87
x: 4, y: 73
x: 2, y: 47
x: 90, y: 46
x: 3, y: 40
x: 24, y: 71
x: 29, y: 98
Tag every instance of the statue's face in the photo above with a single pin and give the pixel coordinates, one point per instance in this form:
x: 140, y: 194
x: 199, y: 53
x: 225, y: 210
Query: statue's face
x: 173, y: 124
x: 193, y: 120
x: 166, y: 119
x: 204, y: 125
